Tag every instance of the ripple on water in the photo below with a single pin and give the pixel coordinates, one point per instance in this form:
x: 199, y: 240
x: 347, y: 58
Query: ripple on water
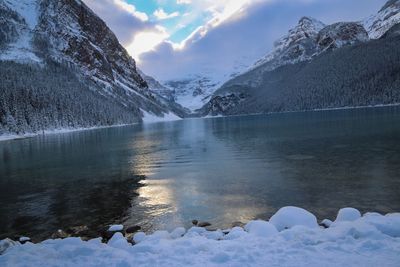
x: 300, y: 157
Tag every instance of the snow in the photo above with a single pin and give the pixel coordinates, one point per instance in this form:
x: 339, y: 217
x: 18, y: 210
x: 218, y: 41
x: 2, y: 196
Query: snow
x: 261, y: 228
x: 377, y: 25
x: 289, y: 217
x: 371, y: 240
x: 22, y: 50
x: 326, y: 223
x: 24, y: 239
x: 116, y: 228
x: 151, y: 118
x: 348, y: 214
x: 28, y: 9
x: 6, y: 137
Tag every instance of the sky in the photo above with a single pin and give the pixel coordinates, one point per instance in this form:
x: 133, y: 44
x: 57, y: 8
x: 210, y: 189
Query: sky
x: 174, y: 39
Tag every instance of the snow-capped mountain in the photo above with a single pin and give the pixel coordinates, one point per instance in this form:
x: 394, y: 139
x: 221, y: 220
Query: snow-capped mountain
x: 69, y: 32
x: 377, y: 25
x: 194, y: 90
x: 298, y: 45
x: 309, y: 38
x: 274, y: 83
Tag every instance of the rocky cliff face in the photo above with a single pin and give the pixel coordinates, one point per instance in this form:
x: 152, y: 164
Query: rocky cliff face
x: 68, y: 31
x: 79, y: 36
x: 378, y: 24
x: 298, y: 45
x: 341, y: 34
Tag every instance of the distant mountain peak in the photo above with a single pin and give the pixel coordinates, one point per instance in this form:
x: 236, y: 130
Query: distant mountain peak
x: 309, y: 24
x: 297, y: 45
x: 388, y: 16
x: 307, y: 27
x: 341, y: 34
x: 390, y: 4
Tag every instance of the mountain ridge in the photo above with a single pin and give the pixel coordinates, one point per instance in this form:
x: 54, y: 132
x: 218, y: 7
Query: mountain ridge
x: 70, y: 33
x: 296, y: 49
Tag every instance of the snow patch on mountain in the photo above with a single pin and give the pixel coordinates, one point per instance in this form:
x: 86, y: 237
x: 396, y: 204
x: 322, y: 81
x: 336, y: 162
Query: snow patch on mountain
x: 28, y: 9
x: 295, y: 46
x: 377, y: 25
x: 152, y: 118
x: 21, y: 49
x: 195, y: 90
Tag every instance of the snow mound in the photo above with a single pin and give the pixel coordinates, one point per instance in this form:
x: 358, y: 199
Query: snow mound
x: 261, y: 228
x: 348, y: 214
x: 118, y: 241
x: 289, y: 217
x: 178, y: 232
x: 371, y: 240
x: 116, y: 228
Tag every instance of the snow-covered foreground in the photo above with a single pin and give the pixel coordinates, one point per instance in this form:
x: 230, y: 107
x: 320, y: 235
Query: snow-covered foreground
x: 291, y: 238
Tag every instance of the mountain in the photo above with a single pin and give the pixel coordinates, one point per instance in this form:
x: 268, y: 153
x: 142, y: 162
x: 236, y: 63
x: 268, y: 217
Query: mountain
x: 318, y: 66
x: 385, y: 19
x: 194, y: 90
x: 68, y: 34
x: 298, y: 45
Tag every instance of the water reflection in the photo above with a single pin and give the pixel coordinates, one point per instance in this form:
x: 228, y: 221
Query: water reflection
x: 219, y: 170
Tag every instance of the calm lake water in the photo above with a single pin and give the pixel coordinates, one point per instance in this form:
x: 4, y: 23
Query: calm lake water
x: 220, y: 170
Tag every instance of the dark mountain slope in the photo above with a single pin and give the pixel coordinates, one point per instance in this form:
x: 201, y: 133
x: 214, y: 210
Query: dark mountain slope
x: 360, y: 75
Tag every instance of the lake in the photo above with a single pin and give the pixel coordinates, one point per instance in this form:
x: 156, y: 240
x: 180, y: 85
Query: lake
x: 220, y: 170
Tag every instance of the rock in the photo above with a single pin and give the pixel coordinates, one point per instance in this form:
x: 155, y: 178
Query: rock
x: 85, y: 238
x: 238, y: 224
x: 24, y: 239
x: 60, y: 234
x: 203, y: 224
x: 106, y: 235
x: 341, y: 34
x: 195, y: 222
x: 6, y: 244
x: 133, y: 229
x: 129, y: 238
x: 79, y: 231
x: 326, y: 223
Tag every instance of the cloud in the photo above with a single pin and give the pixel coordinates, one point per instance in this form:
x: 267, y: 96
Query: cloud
x: 145, y: 41
x: 240, y: 32
x: 162, y: 15
x: 233, y: 32
x: 183, y: 2
x: 133, y: 28
x: 122, y: 18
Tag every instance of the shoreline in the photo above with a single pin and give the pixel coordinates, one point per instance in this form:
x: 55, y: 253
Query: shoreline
x: 11, y: 137
x: 300, y: 111
x: 292, y: 235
